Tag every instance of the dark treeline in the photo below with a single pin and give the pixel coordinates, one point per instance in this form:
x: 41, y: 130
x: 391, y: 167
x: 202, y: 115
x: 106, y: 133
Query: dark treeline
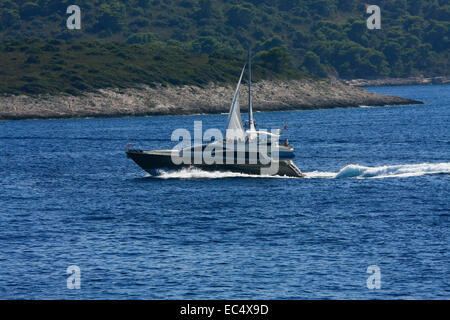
x: 319, y: 37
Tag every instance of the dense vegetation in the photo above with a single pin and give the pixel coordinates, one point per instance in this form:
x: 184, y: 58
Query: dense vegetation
x: 53, y: 66
x: 196, y: 38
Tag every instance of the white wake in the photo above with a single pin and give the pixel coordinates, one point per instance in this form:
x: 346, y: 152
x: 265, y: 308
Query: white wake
x: 393, y: 171
x: 195, y: 173
x: 349, y: 171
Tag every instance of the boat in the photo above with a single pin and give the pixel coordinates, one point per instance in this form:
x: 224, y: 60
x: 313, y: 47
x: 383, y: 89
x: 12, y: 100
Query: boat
x: 244, y: 149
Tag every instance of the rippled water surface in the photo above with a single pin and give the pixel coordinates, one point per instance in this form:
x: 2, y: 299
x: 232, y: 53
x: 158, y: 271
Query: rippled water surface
x: 377, y: 193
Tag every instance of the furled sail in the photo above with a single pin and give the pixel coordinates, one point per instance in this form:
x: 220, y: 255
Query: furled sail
x: 252, y: 131
x: 235, y: 128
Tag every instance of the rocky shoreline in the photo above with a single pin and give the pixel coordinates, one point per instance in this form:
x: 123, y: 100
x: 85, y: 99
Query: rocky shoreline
x: 274, y: 95
x: 398, y: 81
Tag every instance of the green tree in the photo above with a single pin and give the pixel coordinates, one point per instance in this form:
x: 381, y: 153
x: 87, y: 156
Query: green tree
x: 239, y: 16
x: 8, y: 4
x: 346, y: 5
x: 286, y: 5
x: 9, y: 18
x: 324, y: 8
x: 275, y: 58
x: 271, y: 43
x: 142, y: 38
x: 392, y: 51
x: 437, y: 34
x: 356, y: 31
x: 205, y: 45
x: 111, y: 14
x: 414, y: 7
x: 29, y: 9
x: 311, y: 63
x: 206, y: 9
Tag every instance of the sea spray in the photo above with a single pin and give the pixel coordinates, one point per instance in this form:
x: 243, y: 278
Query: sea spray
x: 349, y: 171
x: 195, y: 173
x: 392, y: 171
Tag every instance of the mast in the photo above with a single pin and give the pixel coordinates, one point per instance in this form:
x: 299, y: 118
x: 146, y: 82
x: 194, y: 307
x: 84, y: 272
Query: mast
x: 250, y: 105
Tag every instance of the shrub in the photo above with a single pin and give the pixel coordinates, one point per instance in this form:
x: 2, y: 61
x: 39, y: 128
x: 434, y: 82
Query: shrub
x: 29, y: 9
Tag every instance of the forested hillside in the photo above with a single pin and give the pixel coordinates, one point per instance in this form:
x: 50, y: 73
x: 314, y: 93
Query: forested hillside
x: 320, y: 37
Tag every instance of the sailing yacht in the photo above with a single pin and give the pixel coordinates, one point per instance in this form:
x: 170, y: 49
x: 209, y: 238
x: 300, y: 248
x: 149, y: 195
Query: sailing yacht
x: 250, y: 151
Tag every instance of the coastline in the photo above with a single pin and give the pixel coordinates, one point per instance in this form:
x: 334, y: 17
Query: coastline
x: 421, y: 80
x: 269, y: 95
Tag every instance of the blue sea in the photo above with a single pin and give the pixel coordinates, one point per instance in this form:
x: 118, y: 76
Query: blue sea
x: 377, y: 193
